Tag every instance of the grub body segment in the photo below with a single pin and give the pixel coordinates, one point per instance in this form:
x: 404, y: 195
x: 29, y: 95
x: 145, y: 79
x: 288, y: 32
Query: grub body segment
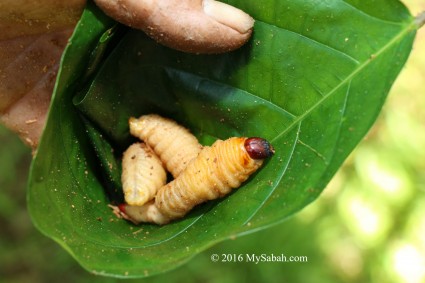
x: 173, y: 143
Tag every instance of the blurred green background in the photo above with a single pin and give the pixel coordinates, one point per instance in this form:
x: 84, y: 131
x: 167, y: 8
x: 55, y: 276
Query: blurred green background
x: 367, y: 226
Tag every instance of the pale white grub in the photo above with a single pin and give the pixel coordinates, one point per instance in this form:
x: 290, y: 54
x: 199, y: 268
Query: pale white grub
x: 142, y: 174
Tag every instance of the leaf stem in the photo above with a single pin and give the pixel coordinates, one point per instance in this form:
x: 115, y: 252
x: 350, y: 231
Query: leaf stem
x: 420, y: 19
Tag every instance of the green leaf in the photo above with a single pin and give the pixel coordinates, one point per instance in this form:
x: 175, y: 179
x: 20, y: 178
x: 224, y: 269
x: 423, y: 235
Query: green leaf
x: 312, y: 81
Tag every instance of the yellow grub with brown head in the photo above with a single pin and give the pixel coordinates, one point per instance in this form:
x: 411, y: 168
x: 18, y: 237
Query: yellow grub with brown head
x: 213, y: 174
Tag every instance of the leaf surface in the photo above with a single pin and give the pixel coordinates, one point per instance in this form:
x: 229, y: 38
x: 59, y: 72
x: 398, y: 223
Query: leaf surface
x: 312, y: 81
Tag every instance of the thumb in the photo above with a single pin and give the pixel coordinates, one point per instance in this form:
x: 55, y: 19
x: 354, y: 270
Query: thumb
x: 196, y: 26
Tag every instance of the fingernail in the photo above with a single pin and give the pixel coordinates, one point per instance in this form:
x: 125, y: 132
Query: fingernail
x: 228, y: 15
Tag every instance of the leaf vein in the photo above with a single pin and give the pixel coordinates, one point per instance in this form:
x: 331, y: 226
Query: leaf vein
x: 280, y: 177
x: 316, y: 42
x: 315, y: 151
x: 348, y: 79
x: 371, y: 16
